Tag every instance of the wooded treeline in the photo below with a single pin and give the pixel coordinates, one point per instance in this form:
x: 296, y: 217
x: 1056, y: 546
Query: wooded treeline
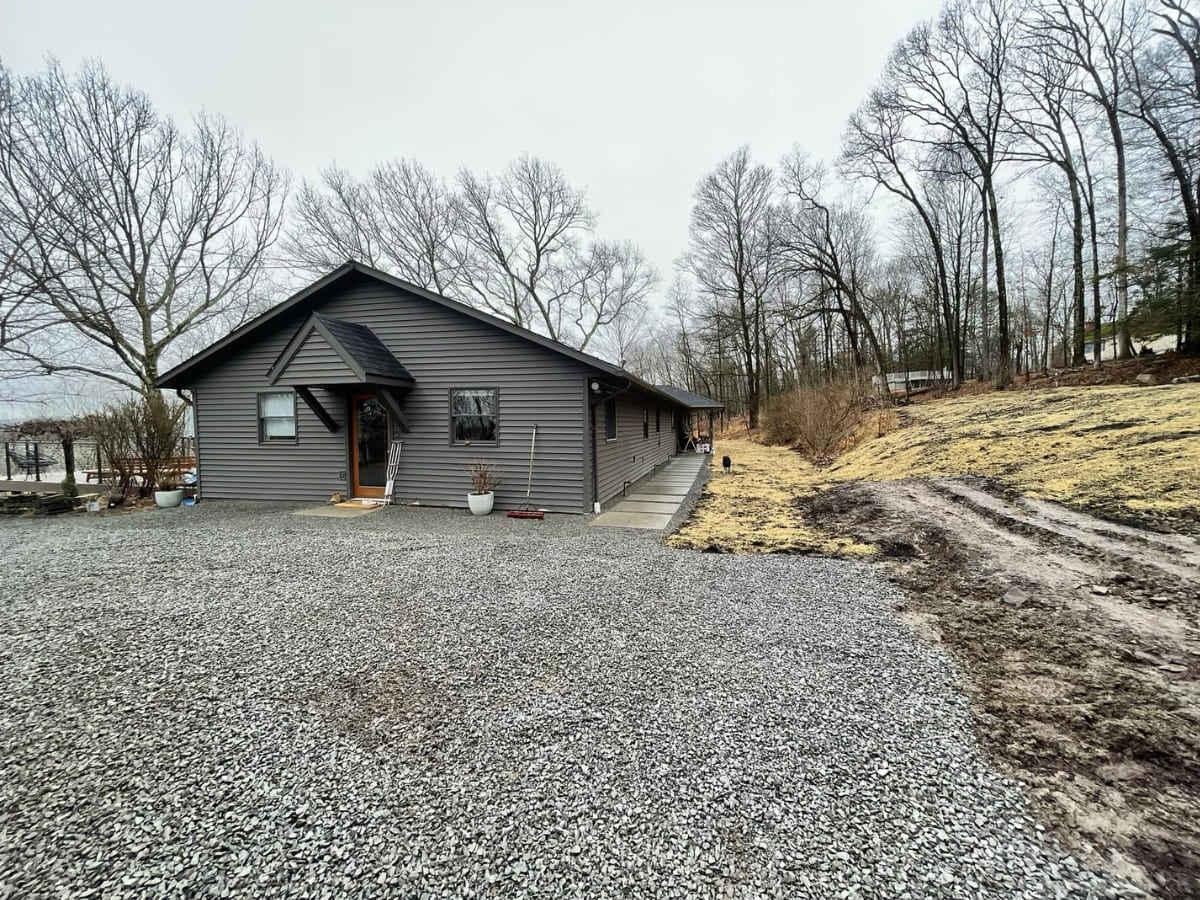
x: 1022, y: 182
x: 1021, y: 171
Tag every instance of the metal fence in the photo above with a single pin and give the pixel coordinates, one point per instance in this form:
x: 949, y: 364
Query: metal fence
x: 33, y: 460
x: 43, y: 460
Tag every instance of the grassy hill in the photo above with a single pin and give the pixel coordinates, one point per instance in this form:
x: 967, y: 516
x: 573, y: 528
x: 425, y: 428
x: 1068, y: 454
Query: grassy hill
x: 1126, y: 453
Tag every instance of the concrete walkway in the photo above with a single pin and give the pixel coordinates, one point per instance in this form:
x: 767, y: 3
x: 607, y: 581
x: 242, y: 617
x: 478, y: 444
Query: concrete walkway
x: 653, y: 501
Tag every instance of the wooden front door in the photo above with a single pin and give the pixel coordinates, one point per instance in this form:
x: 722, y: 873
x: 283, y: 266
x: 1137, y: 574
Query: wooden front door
x: 370, y: 433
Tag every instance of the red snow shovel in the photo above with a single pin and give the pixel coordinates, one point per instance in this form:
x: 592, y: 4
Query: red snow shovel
x: 527, y: 511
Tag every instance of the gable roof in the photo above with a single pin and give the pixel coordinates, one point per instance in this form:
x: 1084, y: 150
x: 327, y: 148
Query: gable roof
x: 178, y: 376
x: 688, y: 399
x: 365, y: 356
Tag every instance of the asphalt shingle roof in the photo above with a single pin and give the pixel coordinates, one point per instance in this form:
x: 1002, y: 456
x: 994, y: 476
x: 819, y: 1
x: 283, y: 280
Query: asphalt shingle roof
x: 360, y: 343
x: 687, y: 398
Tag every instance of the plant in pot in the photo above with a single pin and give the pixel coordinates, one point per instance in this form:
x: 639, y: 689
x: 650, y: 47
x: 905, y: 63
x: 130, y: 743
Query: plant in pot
x: 484, y: 478
x: 167, y: 493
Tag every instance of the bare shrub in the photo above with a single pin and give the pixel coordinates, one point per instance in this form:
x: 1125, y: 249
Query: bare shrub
x: 138, y: 437
x: 484, y: 476
x: 821, y: 420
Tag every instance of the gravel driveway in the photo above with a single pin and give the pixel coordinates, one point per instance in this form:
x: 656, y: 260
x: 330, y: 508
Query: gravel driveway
x: 229, y: 700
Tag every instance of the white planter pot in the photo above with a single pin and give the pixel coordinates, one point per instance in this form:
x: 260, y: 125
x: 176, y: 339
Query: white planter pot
x: 481, y: 504
x: 168, y: 499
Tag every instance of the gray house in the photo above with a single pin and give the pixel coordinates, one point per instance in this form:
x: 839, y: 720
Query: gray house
x: 304, y: 401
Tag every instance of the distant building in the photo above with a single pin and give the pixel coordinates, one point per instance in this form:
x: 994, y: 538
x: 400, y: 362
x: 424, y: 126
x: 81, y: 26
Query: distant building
x: 915, y: 380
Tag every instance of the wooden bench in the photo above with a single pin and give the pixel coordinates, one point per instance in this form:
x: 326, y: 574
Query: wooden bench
x: 171, y: 466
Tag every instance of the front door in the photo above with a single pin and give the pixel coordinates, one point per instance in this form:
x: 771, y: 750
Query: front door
x: 370, y: 429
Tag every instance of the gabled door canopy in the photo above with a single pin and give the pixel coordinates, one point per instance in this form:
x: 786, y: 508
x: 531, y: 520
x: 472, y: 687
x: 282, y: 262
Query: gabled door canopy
x: 363, y: 362
x: 363, y: 357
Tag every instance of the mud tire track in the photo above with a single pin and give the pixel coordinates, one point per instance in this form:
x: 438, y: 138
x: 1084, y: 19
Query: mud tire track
x: 1089, y: 688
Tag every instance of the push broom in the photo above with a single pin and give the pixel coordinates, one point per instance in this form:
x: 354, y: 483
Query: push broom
x: 527, y: 511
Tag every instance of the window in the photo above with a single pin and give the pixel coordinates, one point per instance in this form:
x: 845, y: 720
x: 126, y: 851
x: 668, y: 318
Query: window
x: 276, y: 417
x: 473, y: 415
x: 610, y: 419
x: 645, y: 422
x: 657, y: 419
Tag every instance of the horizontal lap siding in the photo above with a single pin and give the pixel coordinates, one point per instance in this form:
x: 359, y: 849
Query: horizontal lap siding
x: 443, y: 349
x: 316, y: 362
x: 630, y: 456
x: 233, y: 465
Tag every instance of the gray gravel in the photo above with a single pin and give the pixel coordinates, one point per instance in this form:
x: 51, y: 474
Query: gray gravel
x: 228, y: 700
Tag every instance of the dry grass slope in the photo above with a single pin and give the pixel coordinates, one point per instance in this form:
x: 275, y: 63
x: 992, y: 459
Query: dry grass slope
x: 1126, y: 453
x: 1121, y: 452
x: 754, y: 510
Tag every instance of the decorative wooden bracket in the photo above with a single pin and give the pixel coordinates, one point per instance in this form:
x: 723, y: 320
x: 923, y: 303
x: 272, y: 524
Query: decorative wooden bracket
x: 318, y: 410
x: 392, y: 402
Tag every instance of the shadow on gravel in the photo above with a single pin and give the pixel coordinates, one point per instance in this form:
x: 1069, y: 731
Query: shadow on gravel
x: 1079, y: 642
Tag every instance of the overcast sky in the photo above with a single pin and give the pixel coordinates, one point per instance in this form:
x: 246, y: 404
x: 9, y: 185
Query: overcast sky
x: 635, y: 101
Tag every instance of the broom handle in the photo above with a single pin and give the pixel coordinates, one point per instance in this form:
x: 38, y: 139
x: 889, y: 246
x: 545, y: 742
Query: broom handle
x: 529, y: 485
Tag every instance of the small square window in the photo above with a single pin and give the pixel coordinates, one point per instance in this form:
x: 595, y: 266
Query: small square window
x: 276, y: 417
x: 610, y: 419
x: 473, y: 415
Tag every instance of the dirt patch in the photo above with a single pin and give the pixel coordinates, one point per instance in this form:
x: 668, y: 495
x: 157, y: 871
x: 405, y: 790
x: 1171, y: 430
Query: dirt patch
x: 1085, y: 677
x: 1058, y: 445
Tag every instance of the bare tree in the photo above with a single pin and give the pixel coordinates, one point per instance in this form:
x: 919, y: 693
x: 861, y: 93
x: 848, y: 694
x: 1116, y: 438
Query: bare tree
x: 519, y: 245
x: 731, y: 249
x: 137, y: 233
x: 522, y: 234
x: 613, y: 296
x: 1043, y: 113
x: 877, y: 148
x: 401, y: 218
x: 832, y: 242
x: 1164, y: 95
x: 953, y: 78
x: 1097, y: 38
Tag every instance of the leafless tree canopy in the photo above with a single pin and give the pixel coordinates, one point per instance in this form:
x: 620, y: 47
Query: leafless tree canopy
x: 1019, y: 190
x: 122, y: 233
x: 519, y: 245
x: 1021, y: 186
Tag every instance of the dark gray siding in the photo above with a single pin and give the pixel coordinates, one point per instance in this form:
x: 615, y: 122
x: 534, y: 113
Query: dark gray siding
x: 234, y: 464
x: 316, y: 362
x: 442, y: 349
x: 630, y: 456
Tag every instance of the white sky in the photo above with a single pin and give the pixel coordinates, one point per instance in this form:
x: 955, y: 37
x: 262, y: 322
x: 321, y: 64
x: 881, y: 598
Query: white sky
x: 635, y: 101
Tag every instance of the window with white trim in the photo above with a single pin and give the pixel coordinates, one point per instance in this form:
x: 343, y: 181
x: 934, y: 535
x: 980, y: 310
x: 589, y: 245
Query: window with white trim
x: 276, y: 417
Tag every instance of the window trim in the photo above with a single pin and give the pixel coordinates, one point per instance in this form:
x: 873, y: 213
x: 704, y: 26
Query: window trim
x: 615, y: 417
x: 295, y: 438
x: 646, y: 423
x: 495, y: 442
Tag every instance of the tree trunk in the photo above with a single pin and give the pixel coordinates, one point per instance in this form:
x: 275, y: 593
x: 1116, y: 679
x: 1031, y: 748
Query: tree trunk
x: 985, y: 370
x: 1003, y: 362
x: 1124, y: 345
x: 1078, y: 353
